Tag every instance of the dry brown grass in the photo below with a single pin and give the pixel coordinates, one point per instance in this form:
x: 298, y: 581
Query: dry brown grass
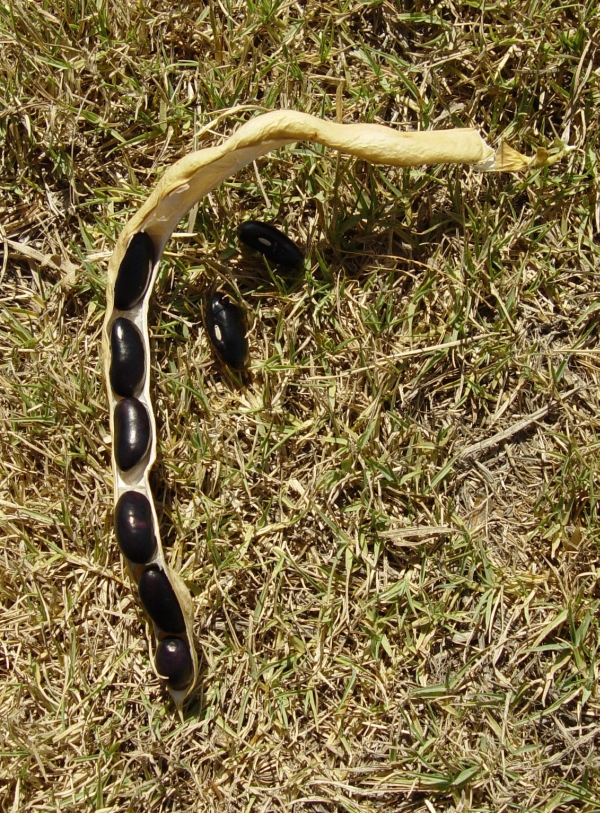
x: 390, y: 616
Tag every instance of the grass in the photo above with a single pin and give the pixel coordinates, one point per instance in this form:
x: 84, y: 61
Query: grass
x: 394, y: 566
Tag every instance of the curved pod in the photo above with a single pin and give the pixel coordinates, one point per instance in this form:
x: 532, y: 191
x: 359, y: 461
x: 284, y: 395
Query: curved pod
x: 134, y: 263
x: 226, y: 327
x: 127, y: 365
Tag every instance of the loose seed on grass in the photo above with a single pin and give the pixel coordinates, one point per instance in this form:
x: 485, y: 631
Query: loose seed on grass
x: 134, y: 272
x: 134, y: 528
x: 127, y: 358
x: 132, y: 432
x: 226, y: 327
x: 160, y: 601
x: 274, y: 244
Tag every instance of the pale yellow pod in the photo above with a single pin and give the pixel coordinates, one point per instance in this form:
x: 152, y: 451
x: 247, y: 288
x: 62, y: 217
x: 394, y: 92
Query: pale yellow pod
x: 192, y: 177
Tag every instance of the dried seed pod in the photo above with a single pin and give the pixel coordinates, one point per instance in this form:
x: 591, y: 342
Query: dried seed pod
x: 159, y: 600
x: 132, y: 433
x: 226, y: 327
x: 127, y: 364
x: 274, y: 244
x: 174, y: 662
x: 134, y: 527
x: 134, y: 272
x: 134, y: 265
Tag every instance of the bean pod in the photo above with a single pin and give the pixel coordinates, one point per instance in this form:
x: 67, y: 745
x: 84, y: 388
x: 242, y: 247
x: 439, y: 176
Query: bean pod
x: 131, y: 273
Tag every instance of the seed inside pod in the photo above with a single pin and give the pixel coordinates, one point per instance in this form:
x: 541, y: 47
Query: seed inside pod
x: 134, y: 272
x: 127, y: 358
x: 174, y: 662
x: 160, y: 601
x: 132, y: 432
x: 226, y: 328
x: 133, y: 527
x: 274, y: 244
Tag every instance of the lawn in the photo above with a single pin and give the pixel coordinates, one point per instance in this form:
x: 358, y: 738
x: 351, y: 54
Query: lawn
x: 389, y: 526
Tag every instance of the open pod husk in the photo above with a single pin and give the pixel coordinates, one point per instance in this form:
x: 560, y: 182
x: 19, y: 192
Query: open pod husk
x: 193, y: 176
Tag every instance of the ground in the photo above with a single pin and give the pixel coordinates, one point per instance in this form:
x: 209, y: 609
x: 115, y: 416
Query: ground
x: 390, y: 527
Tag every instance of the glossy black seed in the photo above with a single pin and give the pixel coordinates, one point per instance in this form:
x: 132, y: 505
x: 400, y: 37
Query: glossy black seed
x: 226, y: 328
x: 132, y: 432
x: 134, y: 528
x: 274, y: 244
x: 127, y: 358
x: 134, y: 272
x: 160, y: 601
x: 174, y: 662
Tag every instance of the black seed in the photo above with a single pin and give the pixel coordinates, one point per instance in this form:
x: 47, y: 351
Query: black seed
x: 160, y: 601
x: 132, y: 432
x: 127, y: 358
x: 274, y: 244
x: 134, y: 528
x: 134, y: 272
x: 226, y: 328
x: 174, y: 662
